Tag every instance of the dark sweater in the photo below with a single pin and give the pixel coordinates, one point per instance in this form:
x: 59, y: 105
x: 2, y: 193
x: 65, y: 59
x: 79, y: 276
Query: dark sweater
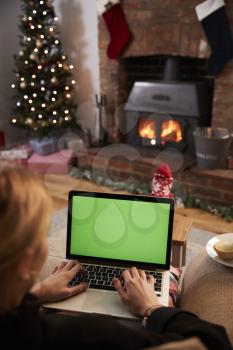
x: 28, y: 327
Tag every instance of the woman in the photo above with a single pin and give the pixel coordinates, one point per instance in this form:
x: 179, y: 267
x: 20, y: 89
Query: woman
x: 24, y: 220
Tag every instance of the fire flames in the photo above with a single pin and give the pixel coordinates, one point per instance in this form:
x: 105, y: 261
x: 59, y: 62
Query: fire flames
x: 147, y: 128
x: 171, y: 131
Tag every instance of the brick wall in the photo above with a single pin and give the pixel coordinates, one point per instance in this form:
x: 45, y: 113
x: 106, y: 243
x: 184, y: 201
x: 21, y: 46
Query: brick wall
x: 215, y: 186
x: 163, y: 28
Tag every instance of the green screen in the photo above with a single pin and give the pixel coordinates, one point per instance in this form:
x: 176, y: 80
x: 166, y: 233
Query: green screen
x: 119, y: 229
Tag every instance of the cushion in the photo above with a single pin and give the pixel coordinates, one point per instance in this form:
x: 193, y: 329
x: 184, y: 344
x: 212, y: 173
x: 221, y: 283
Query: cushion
x: 207, y: 291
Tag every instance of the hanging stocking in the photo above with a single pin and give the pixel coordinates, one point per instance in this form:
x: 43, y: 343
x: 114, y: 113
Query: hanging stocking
x: 115, y: 21
x: 211, y: 13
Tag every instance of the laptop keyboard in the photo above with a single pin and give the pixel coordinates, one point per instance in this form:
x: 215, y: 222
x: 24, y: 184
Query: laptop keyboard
x: 100, y: 277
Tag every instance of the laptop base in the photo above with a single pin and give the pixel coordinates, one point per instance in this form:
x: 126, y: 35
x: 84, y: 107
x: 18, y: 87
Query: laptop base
x: 104, y: 302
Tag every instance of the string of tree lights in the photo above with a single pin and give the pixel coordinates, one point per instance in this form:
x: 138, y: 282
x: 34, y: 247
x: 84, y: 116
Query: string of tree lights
x: 44, y: 82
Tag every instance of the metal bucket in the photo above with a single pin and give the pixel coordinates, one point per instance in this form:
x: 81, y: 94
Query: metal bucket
x: 212, y: 145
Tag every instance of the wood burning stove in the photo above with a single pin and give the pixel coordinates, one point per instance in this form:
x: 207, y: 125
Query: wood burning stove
x: 162, y: 114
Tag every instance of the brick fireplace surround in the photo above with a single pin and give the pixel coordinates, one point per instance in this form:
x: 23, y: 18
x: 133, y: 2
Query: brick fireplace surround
x: 168, y: 27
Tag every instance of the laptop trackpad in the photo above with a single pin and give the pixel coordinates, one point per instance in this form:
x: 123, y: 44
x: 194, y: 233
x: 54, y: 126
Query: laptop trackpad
x: 105, y: 302
x: 94, y: 301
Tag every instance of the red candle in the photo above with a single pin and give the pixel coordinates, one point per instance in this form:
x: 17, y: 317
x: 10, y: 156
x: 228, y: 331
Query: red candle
x: 2, y: 139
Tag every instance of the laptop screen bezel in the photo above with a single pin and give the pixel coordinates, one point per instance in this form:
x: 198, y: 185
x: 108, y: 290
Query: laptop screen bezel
x: 118, y: 262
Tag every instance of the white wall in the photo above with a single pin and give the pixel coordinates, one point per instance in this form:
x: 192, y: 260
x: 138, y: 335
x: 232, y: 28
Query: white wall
x: 78, y: 22
x: 9, y: 13
x: 79, y: 29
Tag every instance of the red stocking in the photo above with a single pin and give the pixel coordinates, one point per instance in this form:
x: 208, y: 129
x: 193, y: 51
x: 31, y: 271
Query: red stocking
x: 115, y: 20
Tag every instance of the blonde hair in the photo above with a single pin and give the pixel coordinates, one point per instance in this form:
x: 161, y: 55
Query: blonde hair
x: 24, y: 219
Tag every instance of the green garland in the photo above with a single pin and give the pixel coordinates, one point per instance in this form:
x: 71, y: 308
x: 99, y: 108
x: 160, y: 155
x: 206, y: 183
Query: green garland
x: 130, y: 185
x: 226, y: 212
x: 137, y: 187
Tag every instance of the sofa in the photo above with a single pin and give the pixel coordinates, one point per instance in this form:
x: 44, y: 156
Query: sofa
x: 206, y: 290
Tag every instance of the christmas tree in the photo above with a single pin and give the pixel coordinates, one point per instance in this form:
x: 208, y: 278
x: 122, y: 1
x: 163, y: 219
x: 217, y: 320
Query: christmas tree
x: 44, y: 83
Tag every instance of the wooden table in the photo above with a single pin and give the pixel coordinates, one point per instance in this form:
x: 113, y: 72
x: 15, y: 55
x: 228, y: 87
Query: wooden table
x: 181, y: 228
x: 59, y: 186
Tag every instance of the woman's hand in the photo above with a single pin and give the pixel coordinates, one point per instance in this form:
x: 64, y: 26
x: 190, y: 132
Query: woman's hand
x: 55, y: 287
x: 138, y: 291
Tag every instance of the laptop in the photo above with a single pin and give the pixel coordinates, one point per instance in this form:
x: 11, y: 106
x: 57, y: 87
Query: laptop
x: 109, y: 233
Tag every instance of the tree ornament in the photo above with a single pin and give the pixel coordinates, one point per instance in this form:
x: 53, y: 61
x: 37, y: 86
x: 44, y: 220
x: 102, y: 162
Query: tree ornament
x: 29, y: 121
x: 54, y: 80
x: 32, y: 57
x: 23, y: 85
x: 53, y: 50
x: 39, y: 43
x: 49, y: 3
x: 43, y: 123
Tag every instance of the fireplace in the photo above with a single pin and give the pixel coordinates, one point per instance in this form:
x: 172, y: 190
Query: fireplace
x: 159, y: 29
x: 159, y: 130
x: 160, y: 114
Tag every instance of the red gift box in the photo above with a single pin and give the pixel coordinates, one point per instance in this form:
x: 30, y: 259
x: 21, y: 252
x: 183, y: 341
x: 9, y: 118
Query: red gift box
x: 2, y: 139
x: 56, y: 163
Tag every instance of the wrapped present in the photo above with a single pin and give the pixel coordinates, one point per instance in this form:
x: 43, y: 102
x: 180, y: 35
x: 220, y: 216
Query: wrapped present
x: 17, y: 153
x: 56, y: 163
x: 44, y: 146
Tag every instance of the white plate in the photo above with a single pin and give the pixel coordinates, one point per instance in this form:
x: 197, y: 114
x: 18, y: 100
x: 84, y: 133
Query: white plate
x: 212, y: 253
